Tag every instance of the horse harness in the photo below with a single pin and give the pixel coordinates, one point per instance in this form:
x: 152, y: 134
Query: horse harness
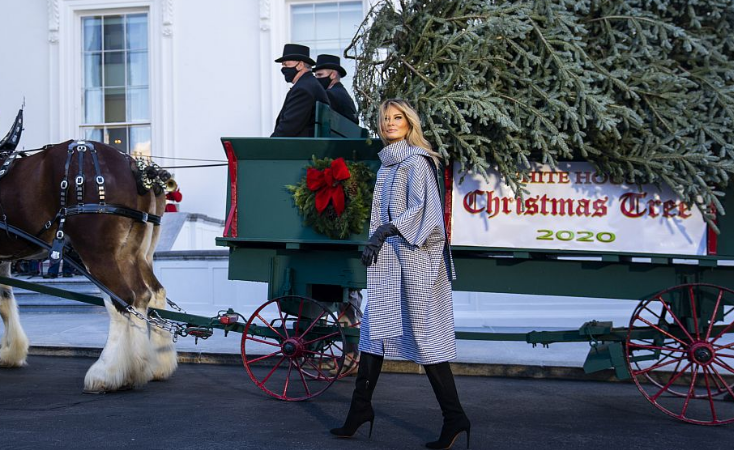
x: 57, y: 248
x: 80, y: 148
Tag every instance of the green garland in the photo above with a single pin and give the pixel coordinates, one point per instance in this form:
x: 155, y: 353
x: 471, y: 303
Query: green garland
x: 358, y: 202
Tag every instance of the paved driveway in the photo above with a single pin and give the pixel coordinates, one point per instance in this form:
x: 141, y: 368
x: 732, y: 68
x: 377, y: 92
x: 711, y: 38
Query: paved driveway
x: 217, y: 406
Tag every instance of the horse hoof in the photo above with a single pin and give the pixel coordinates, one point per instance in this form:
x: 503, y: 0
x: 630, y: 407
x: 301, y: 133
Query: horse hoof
x: 12, y: 363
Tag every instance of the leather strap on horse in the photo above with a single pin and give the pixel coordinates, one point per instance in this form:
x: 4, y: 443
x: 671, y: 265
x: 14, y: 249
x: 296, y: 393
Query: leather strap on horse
x: 81, y: 147
x: 117, y: 210
x: 57, y: 247
x: 9, y: 159
x: 122, y: 304
x: 79, y: 180
x: 99, y: 179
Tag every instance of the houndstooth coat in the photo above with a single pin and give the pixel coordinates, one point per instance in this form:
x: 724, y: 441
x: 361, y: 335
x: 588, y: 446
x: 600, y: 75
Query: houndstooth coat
x: 409, y: 312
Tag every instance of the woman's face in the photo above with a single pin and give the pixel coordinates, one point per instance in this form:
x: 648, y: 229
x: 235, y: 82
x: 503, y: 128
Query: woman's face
x: 396, y: 125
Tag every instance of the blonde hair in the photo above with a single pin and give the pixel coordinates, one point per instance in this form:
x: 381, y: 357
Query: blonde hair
x: 415, y: 131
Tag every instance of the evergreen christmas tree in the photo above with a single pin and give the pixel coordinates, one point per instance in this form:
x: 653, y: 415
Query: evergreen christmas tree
x: 642, y: 89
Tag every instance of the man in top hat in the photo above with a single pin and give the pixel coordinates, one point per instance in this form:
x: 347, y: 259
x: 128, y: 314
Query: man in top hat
x: 298, y: 114
x: 328, y: 71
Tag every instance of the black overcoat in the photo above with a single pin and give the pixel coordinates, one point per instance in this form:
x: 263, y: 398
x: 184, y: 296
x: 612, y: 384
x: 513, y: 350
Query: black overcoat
x: 342, y: 103
x: 298, y: 114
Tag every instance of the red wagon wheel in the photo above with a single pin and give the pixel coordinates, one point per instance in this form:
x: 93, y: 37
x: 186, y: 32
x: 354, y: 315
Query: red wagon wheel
x: 680, y: 352
x: 291, y: 336
x: 350, y: 318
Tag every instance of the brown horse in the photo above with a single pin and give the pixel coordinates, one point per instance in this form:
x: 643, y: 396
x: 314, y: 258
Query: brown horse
x: 116, y: 249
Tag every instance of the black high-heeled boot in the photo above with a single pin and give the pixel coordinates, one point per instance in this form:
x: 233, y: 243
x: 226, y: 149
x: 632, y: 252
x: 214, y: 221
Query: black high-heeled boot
x: 455, y: 421
x: 360, y: 410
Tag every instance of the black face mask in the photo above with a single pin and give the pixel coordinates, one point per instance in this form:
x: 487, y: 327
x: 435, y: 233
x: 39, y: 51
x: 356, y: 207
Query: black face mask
x: 324, y: 82
x: 289, y: 73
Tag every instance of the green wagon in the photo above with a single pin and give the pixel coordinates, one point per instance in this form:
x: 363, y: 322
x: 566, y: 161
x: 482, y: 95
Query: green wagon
x: 677, y: 348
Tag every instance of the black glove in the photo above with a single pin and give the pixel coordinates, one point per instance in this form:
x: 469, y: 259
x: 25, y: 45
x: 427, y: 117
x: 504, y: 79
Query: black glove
x: 384, y: 231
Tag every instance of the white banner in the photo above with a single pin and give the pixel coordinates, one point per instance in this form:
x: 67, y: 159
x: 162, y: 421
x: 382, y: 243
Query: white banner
x: 573, y: 208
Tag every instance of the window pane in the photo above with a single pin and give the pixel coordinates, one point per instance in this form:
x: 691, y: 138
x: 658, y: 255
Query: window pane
x: 116, y: 78
x: 113, y: 33
x: 327, y: 21
x: 350, y: 17
x: 137, y: 32
x: 114, y: 105
x: 137, y: 69
x: 92, y: 70
x: 93, y: 106
x: 93, y: 134
x: 326, y: 26
x: 92, y: 30
x: 137, y: 106
x: 117, y: 137
x: 302, y: 23
x: 140, y: 141
x: 114, y: 69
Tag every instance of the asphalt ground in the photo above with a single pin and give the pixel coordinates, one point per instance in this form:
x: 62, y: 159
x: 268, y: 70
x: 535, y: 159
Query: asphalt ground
x: 217, y: 406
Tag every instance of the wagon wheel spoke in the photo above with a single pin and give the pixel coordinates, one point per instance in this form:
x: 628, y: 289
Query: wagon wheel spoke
x: 656, y: 367
x: 272, y: 371
x: 676, y: 319
x: 723, y: 364
x: 314, y: 322
x: 691, y: 390
x: 672, y: 380
x: 264, y: 357
x: 317, y: 367
x: 692, y: 301
x: 724, y: 347
x: 298, y: 317
x: 723, y: 332
x: 646, y: 308
x: 710, y: 396
x: 326, y: 360
x: 282, y: 319
x: 657, y: 347
x: 713, y: 315
x: 303, y: 378
x: 657, y: 328
x: 267, y: 324
x: 287, y: 379
x: 262, y: 341
x: 719, y: 387
x: 323, y: 338
x: 680, y: 370
x: 728, y: 388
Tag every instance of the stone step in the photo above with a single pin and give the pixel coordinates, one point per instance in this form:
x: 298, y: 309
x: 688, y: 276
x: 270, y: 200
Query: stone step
x: 31, y: 300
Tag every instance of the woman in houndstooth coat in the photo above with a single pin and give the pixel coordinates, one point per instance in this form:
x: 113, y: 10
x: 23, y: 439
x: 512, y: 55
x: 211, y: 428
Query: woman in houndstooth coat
x: 409, y: 311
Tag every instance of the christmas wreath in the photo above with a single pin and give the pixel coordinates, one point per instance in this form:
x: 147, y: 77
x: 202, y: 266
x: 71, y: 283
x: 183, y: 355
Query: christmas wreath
x: 335, y: 197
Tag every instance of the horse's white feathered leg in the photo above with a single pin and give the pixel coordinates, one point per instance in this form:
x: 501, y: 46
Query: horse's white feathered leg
x: 165, y: 358
x: 125, y: 359
x: 14, y: 343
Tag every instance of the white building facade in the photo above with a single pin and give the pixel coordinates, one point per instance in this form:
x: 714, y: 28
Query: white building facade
x: 165, y: 78
x: 168, y: 78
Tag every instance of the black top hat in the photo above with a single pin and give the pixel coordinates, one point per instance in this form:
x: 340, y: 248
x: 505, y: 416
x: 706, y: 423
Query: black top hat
x: 296, y: 52
x: 329, y: 62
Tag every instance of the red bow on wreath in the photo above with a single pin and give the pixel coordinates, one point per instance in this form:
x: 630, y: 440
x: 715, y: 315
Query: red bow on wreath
x: 327, y: 185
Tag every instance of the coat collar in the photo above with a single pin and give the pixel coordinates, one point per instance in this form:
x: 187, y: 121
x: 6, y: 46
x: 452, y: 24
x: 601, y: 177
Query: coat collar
x: 397, y: 152
x: 304, y: 76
